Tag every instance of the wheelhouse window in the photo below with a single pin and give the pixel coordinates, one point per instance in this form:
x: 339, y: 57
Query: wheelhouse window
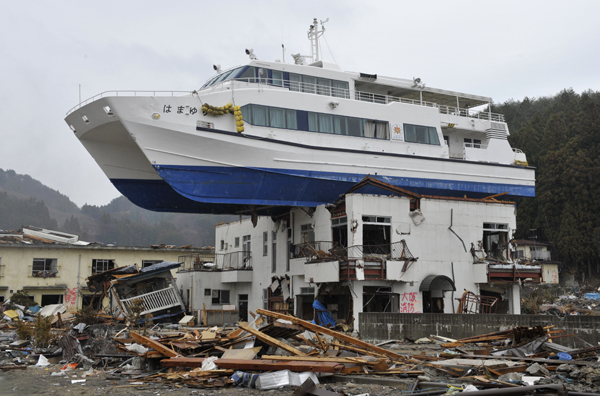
x: 421, y: 134
x: 102, y: 265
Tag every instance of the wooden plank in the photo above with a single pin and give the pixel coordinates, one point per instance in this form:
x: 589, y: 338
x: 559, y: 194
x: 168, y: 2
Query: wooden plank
x: 257, y: 365
x: 319, y: 359
x: 340, y: 336
x: 271, y: 341
x: 153, y: 344
x: 241, y: 354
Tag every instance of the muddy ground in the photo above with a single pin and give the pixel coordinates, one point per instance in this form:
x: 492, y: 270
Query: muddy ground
x: 38, y: 381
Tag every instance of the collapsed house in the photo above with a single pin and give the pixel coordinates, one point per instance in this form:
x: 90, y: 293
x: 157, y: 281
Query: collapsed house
x: 153, y: 286
x: 379, y: 248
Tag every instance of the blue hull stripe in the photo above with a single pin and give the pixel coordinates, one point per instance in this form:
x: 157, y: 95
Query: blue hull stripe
x: 259, y: 186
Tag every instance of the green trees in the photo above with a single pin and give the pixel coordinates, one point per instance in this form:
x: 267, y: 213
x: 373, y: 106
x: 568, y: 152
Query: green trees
x: 561, y: 137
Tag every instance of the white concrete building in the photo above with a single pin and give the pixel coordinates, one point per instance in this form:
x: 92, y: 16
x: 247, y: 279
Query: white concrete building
x: 378, y: 249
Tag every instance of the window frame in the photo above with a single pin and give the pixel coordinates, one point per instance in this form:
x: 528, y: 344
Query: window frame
x: 106, y: 263
x: 431, y: 132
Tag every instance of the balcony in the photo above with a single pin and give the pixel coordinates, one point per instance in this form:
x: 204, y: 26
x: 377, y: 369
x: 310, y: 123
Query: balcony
x: 329, y: 262
x: 239, y: 260
x: 329, y: 251
x: 363, y: 270
x: 510, y: 273
x: 154, y: 301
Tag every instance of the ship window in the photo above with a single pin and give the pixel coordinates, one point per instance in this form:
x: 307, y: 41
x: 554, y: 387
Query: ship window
x: 324, y: 86
x: 309, y: 84
x: 291, y: 120
x: 316, y: 122
x: 355, y: 127
x: 276, y: 117
x: 376, y: 129
x: 248, y: 74
x: 277, y: 78
x: 340, y: 125
x: 295, y: 82
x: 259, y: 115
x: 421, y: 134
x: 313, y: 122
x: 340, y: 89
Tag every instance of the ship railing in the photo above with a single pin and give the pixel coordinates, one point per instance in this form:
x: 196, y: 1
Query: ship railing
x: 128, y: 93
x: 482, y: 115
x: 338, y: 92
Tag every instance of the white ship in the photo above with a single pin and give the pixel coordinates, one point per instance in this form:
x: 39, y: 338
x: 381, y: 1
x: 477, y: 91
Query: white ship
x: 271, y: 134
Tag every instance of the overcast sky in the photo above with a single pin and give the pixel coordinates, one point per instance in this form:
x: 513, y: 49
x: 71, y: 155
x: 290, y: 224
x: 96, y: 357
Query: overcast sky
x: 503, y: 49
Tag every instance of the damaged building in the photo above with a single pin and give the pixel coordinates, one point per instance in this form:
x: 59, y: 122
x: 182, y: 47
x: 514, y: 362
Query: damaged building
x: 379, y: 248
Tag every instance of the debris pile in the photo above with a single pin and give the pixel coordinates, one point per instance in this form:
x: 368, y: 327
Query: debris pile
x: 276, y: 350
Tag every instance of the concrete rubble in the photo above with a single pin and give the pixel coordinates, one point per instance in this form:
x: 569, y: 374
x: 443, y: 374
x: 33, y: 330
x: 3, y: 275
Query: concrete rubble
x: 277, y: 351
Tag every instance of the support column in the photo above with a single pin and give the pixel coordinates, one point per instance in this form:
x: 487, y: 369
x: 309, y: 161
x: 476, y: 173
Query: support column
x: 514, y: 299
x: 357, y: 301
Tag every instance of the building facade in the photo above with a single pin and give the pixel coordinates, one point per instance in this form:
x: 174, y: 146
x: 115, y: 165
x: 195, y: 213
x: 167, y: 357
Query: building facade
x: 54, y: 273
x: 368, y: 252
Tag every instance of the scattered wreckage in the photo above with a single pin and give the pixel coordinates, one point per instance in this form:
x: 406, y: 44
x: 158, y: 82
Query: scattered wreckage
x: 276, y: 350
x: 273, y: 350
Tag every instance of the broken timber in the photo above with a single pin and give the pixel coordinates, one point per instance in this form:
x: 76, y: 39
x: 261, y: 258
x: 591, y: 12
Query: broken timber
x: 324, y: 330
x: 270, y: 340
x: 153, y: 344
x: 258, y: 365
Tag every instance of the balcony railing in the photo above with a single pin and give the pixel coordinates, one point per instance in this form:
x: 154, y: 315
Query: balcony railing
x: 155, y: 301
x: 323, y: 251
x: 239, y: 260
x: 233, y: 261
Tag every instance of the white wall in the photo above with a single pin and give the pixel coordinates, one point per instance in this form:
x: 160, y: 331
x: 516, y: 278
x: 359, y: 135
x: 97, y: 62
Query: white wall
x: 439, y: 251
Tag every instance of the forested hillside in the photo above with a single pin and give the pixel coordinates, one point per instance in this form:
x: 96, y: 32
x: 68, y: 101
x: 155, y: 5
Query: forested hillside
x: 561, y: 137
x: 26, y: 201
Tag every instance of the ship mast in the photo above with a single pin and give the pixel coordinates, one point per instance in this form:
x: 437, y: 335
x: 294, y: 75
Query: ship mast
x: 313, y: 35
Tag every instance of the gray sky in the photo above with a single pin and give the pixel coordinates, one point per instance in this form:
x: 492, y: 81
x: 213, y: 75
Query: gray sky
x: 504, y: 49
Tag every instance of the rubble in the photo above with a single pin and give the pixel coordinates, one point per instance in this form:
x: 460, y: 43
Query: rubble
x: 279, y: 351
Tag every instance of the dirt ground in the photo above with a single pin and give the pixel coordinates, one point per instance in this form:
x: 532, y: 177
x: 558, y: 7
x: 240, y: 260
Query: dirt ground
x: 38, y: 381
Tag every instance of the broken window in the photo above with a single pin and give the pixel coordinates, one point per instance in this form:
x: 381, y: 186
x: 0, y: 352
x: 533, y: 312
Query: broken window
x: 147, y: 263
x: 246, y: 246
x: 273, y: 250
x: 102, y: 265
x: 495, y: 240
x: 220, y: 296
x: 265, y: 243
x: 376, y: 234
x: 307, y: 233
x: 289, y: 249
x: 339, y: 231
x: 48, y: 299
x: 44, y: 267
x: 265, y: 298
x: 380, y: 299
x: 90, y: 300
